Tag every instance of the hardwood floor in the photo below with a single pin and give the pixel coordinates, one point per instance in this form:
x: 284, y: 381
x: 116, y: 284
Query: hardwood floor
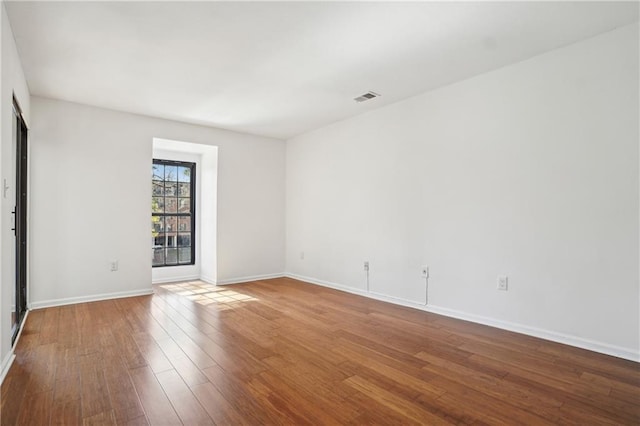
x: 284, y: 352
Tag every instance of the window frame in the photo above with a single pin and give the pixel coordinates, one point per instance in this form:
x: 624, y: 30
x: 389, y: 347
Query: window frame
x: 177, y: 214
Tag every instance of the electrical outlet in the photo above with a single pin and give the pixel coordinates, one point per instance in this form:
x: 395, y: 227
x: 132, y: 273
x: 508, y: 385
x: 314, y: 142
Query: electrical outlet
x: 301, y: 255
x: 113, y: 265
x: 425, y: 271
x: 503, y: 282
x: 366, y: 265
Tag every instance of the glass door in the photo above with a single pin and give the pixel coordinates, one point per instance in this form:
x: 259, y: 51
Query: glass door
x: 20, y: 224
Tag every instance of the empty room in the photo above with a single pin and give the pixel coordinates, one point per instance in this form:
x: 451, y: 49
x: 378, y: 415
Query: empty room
x: 270, y: 213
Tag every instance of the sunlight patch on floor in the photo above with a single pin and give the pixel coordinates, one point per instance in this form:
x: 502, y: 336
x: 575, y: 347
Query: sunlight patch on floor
x: 207, y: 294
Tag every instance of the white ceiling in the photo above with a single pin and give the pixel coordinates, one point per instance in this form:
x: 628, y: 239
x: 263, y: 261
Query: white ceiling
x: 281, y: 69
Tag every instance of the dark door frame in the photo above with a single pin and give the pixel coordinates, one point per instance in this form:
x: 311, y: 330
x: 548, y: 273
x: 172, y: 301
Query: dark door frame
x: 20, y: 227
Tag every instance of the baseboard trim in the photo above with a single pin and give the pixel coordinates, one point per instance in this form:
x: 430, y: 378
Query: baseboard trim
x: 92, y: 298
x: 176, y: 279
x: 360, y: 292
x: 7, y: 362
x: 248, y: 279
x: 208, y: 280
x: 579, y: 342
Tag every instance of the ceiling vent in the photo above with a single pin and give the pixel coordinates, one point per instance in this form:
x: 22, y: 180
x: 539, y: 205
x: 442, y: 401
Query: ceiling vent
x: 366, y: 97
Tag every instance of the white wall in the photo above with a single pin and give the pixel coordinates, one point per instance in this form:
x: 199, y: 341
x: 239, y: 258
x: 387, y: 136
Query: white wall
x: 208, y: 209
x: 529, y: 171
x: 12, y: 82
x: 90, y: 191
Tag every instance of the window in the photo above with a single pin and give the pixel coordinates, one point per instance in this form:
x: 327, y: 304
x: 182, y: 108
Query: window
x: 173, y: 213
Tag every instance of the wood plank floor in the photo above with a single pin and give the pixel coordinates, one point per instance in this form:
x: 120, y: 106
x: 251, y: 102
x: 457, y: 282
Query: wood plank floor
x: 284, y: 352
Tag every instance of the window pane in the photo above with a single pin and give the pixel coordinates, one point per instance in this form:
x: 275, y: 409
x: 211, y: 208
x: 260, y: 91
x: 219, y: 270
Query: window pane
x: 184, y: 205
x: 157, y: 205
x: 172, y: 256
x: 158, y: 188
x: 170, y: 189
x: 184, y: 223
x: 184, y: 189
x: 171, y: 173
x: 171, y: 224
x: 157, y: 172
x: 172, y: 236
x: 157, y: 225
x: 158, y: 257
x: 184, y: 255
x: 171, y: 205
x: 184, y: 240
x: 184, y: 174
